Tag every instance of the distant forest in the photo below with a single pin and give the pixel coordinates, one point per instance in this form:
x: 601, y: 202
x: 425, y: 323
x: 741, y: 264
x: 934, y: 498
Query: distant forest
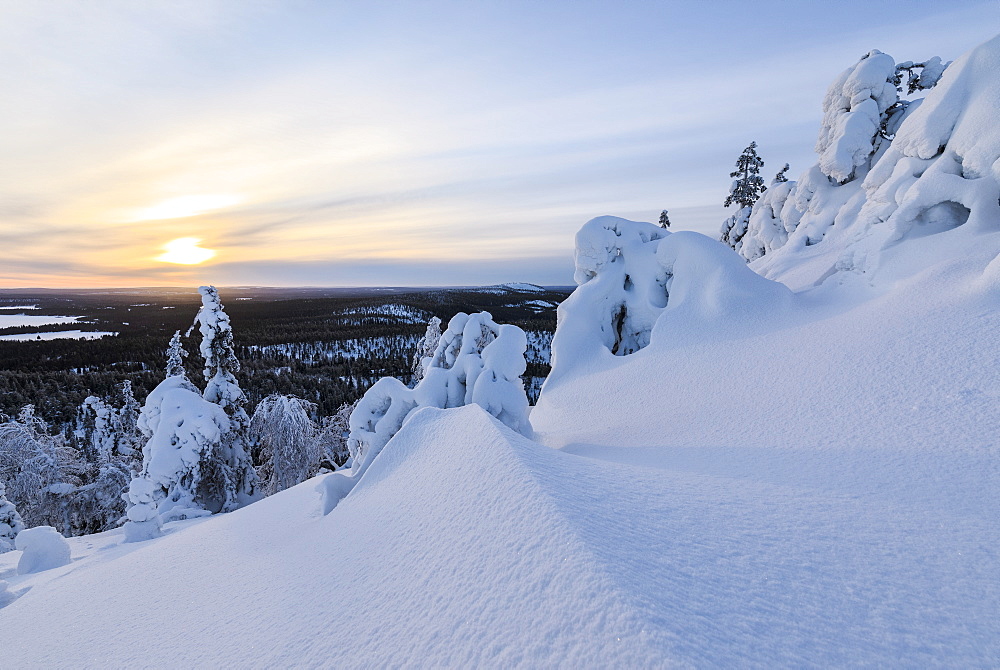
x: 324, y: 345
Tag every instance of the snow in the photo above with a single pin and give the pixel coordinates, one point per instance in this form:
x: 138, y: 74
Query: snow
x: 723, y: 470
x: 18, y: 307
x: 60, y: 335
x: 42, y: 548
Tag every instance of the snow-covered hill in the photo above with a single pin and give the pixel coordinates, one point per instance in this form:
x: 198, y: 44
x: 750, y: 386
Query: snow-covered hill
x: 791, y: 467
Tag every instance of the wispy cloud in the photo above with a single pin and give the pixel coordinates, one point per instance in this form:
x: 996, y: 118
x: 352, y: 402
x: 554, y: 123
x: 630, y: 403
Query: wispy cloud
x: 399, y: 133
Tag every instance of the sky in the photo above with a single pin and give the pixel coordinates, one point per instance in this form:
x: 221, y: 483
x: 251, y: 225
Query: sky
x: 402, y: 143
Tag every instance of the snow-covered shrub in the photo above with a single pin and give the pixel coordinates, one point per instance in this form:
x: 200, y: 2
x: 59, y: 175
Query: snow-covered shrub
x: 44, y: 548
x: 285, y: 439
x: 10, y: 522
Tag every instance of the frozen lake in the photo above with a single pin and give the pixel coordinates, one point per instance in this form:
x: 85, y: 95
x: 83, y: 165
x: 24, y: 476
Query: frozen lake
x: 60, y: 335
x: 33, y: 320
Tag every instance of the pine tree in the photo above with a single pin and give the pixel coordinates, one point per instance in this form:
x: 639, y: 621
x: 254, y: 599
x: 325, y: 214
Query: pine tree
x: 745, y: 191
x: 748, y: 184
x: 664, y: 219
x: 780, y: 178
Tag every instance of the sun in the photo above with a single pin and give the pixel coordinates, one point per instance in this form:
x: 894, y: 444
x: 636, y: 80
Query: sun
x: 185, y: 251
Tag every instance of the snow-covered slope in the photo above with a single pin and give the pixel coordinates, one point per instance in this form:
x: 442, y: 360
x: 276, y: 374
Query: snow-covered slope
x: 726, y: 471
x: 464, y: 544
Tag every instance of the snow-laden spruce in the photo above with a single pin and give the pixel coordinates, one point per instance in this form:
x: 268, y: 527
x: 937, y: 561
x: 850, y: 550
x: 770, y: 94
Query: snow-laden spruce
x: 10, y: 521
x: 194, y: 461
x: 874, y: 145
x: 231, y: 473
x: 475, y: 361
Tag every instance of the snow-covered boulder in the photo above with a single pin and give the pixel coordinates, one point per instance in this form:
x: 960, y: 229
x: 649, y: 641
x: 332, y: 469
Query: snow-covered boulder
x: 43, y: 549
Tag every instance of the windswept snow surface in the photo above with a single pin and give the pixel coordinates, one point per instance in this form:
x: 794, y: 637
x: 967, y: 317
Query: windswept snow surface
x: 464, y: 545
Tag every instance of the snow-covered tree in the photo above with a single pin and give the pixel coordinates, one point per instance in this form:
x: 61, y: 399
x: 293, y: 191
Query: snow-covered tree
x: 425, y: 349
x: 748, y: 184
x: 744, y: 192
x: 286, y: 441
x: 227, y: 473
x: 863, y: 111
x: 39, y: 469
x: 184, y: 431
x: 175, y: 356
x: 10, y: 521
x: 664, y: 219
x: 780, y: 178
x: 333, y: 436
x: 476, y: 361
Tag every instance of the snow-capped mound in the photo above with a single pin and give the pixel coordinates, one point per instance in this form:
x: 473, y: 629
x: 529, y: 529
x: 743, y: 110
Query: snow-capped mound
x: 42, y: 548
x: 938, y: 177
x: 639, y: 282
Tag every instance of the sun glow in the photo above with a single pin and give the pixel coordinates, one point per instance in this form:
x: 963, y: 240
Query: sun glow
x: 185, y: 251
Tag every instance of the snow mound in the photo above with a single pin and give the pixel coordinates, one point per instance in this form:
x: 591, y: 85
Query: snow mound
x: 639, y: 282
x: 43, y: 548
